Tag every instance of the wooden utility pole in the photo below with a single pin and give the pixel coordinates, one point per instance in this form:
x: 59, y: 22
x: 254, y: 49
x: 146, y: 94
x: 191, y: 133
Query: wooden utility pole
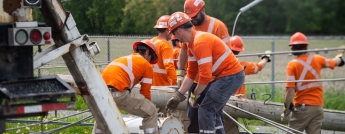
x: 82, y: 68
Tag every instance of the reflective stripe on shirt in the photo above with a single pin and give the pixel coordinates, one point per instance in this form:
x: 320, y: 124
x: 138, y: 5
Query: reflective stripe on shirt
x: 255, y: 68
x: 209, y: 59
x: 146, y: 80
x: 210, y: 26
x: 227, y: 39
x: 128, y: 68
x: 156, y: 68
x: 306, y: 68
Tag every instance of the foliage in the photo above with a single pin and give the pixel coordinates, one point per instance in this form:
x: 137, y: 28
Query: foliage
x: 273, y: 17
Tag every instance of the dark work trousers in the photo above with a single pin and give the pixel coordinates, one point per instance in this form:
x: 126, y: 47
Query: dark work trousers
x: 208, y: 118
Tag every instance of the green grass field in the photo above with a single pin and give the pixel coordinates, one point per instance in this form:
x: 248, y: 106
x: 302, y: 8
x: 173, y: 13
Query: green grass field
x: 333, y: 91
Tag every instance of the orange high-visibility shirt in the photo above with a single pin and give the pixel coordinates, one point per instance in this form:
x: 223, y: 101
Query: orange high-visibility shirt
x: 124, y: 72
x: 307, y: 67
x: 251, y: 68
x: 214, y: 26
x: 164, y: 73
x: 176, y: 53
x: 210, y: 57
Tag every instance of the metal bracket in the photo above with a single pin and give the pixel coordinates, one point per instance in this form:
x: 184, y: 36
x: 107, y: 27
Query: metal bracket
x: 51, y: 54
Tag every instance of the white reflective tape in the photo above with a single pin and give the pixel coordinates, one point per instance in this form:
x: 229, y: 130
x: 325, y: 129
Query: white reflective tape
x: 310, y: 85
x: 226, y: 40
x: 219, y: 127
x: 146, y: 80
x: 157, y: 70
x: 33, y: 109
x: 165, y: 61
x: 207, y: 131
x: 126, y: 68
x: 327, y: 62
x: 210, y: 26
x: 191, y: 58
x: 155, y: 66
x: 155, y: 42
x: 290, y: 78
x: 306, y: 68
x: 205, y: 60
x: 198, y: 34
x: 255, y: 68
x: 221, y: 58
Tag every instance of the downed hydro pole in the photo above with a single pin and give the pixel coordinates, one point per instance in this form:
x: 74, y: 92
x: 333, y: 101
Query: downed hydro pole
x: 290, y: 52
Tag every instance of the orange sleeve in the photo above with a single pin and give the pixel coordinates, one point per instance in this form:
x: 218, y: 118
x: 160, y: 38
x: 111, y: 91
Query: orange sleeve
x: 176, y: 53
x: 168, y: 61
x: 251, y: 67
x: 146, y: 81
x: 290, y: 75
x: 222, y: 32
x: 326, y: 63
x: 203, y: 55
x: 192, y: 66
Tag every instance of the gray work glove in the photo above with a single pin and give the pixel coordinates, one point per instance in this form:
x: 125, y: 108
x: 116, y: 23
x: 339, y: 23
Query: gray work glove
x: 267, y: 55
x: 192, y: 100
x: 286, y: 113
x: 174, y: 101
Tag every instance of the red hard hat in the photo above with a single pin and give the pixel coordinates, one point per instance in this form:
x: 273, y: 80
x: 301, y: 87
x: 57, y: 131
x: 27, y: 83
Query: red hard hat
x: 298, y: 39
x: 162, y: 22
x: 236, y: 43
x: 177, y: 19
x: 149, y: 44
x: 192, y: 7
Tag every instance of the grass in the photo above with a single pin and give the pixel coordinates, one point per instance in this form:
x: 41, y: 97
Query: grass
x: 333, y: 91
x: 47, y: 127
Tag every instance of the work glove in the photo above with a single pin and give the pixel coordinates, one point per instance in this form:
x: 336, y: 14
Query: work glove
x: 340, y: 55
x: 192, y: 100
x: 174, y: 101
x: 286, y: 113
x: 267, y: 55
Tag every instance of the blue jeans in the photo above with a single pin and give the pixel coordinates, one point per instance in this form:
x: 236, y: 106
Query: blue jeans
x: 210, y: 111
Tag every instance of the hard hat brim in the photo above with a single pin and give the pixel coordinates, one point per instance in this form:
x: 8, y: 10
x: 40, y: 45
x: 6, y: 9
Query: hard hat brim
x: 160, y: 26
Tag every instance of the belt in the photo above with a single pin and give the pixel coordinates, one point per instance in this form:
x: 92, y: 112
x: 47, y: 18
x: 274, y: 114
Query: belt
x: 113, y: 89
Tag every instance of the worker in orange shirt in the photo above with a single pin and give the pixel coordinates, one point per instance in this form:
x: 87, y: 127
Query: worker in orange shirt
x: 307, y: 109
x: 176, y: 50
x: 236, y: 45
x: 164, y: 73
x: 220, y: 74
x: 196, y: 11
x: 123, y: 73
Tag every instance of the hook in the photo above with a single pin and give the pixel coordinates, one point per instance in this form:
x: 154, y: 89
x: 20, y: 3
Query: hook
x: 267, y: 98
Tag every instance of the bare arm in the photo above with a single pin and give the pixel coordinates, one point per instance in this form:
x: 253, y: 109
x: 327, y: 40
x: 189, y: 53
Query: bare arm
x: 337, y: 61
x: 290, y: 92
x: 186, y: 84
x: 263, y: 62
